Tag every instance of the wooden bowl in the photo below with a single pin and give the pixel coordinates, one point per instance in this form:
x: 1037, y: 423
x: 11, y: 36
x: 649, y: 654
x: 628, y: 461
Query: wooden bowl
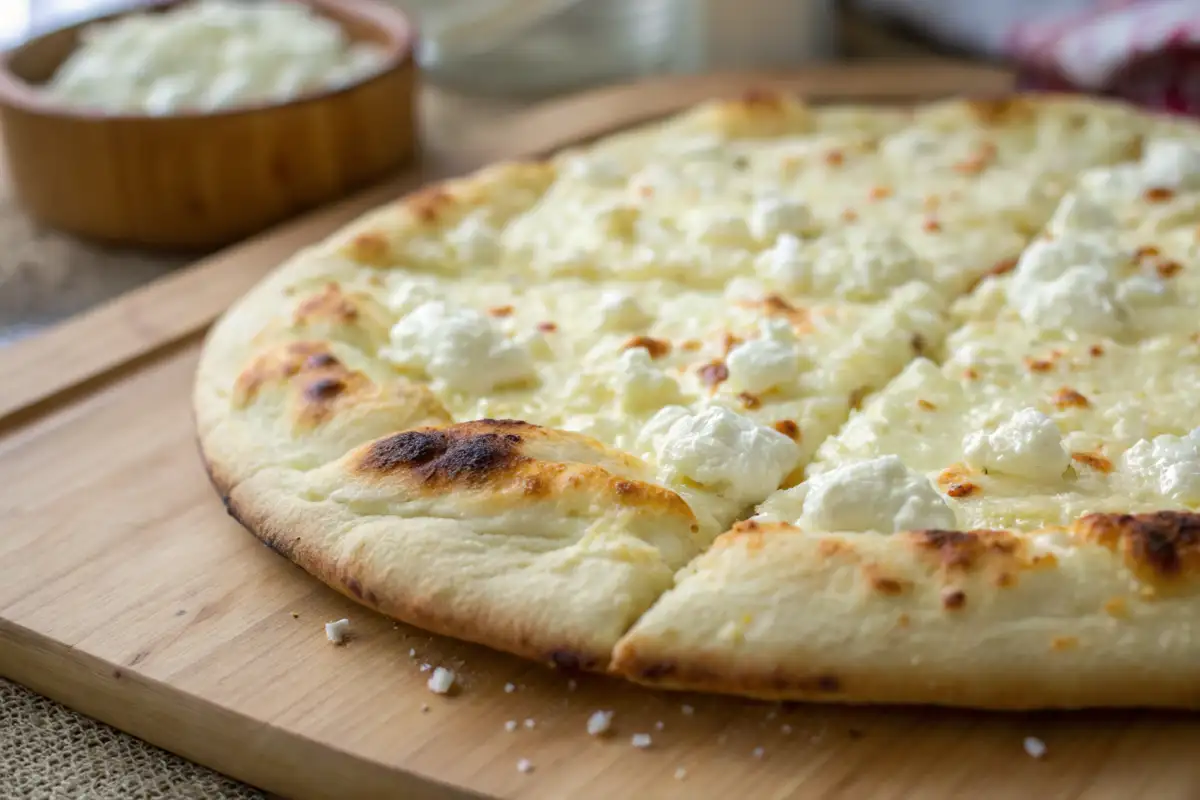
x: 202, y: 180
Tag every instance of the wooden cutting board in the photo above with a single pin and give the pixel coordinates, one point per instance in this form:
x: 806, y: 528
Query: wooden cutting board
x: 126, y: 593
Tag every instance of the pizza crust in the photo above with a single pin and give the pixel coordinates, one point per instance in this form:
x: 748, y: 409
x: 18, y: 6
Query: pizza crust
x: 986, y: 619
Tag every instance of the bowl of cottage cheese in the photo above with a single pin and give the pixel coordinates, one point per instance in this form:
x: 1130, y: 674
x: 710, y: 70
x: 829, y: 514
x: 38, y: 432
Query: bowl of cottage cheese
x: 194, y: 124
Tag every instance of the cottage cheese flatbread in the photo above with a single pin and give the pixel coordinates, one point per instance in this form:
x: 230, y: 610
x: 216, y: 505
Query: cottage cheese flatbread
x: 844, y: 404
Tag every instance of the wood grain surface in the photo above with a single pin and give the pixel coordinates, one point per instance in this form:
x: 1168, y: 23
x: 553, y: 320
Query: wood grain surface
x: 128, y: 594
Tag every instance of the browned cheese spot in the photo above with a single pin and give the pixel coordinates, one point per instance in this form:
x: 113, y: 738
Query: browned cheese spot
x: 547, y: 327
x: 1038, y: 364
x: 1116, y: 607
x: 918, y: 344
x: 1063, y: 643
x: 429, y: 204
x: 788, y: 428
x: 729, y: 341
x: 1000, y: 111
x: 886, y: 584
x: 657, y: 348
x: 1168, y: 269
x: 953, y: 599
x: 879, y: 193
x: 1158, y: 194
x: 692, y: 345
x: 1160, y: 548
x: 1093, y: 460
x: 925, y: 405
x: 331, y: 303
x: 501, y: 311
x: 931, y: 225
x: 370, y: 248
x: 857, y: 396
x: 835, y: 158
x: 713, y: 374
x: 761, y: 99
x: 962, y: 489
x: 1096, y: 350
x: 1066, y: 397
x: 749, y: 401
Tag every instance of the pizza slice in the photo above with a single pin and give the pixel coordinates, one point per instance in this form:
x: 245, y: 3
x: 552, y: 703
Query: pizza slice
x: 1015, y: 528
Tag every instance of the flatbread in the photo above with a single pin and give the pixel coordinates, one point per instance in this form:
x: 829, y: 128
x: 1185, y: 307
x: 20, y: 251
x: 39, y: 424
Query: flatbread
x: 841, y: 404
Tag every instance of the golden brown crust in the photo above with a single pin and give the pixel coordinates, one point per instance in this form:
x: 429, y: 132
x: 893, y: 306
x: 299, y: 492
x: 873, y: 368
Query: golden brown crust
x: 987, y: 619
x: 1162, y: 549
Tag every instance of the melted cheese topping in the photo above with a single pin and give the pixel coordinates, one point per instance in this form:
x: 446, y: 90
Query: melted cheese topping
x: 945, y: 320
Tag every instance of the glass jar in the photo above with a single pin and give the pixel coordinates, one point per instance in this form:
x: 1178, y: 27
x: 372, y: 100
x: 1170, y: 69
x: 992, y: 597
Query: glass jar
x: 540, y: 47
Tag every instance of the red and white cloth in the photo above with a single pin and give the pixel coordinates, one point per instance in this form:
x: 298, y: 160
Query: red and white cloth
x: 1145, y: 51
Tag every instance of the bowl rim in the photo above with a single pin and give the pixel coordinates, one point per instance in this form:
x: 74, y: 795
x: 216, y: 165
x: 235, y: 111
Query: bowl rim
x: 394, y: 23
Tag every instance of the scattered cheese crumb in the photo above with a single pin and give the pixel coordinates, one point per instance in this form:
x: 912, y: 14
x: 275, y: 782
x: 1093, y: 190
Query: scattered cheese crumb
x: 426, y: 667
x: 412, y: 652
x: 510, y: 726
x: 510, y: 688
x: 771, y: 715
x: 680, y: 774
x: 658, y: 726
x: 599, y: 722
x: 424, y: 708
x: 1035, y: 746
x: 785, y: 729
x: 641, y: 740
x: 529, y: 723
x: 336, y: 631
x: 524, y: 765
x: 758, y: 752
x: 571, y: 684
x: 688, y: 710
x: 441, y: 681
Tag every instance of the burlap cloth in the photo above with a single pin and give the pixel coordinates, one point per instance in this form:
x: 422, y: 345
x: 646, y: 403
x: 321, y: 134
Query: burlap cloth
x: 47, y: 751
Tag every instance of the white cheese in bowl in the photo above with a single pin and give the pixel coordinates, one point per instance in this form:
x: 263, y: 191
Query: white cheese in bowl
x: 210, y: 55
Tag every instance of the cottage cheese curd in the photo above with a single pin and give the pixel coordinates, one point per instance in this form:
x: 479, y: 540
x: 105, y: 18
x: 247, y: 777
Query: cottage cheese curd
x: 458, y: 347
x: 880, y: 495
x: 209, y: 56
x: 1026, y: 445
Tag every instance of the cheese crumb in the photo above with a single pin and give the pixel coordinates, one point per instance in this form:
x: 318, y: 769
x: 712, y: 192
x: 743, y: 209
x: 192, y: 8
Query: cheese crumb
x: 571, y: 684
x: 338, y: 631
x: 426, y: 667
x: 441, y: 681
x: 510, y: 726
x: 599, y: 723
x: 719, y: 449
x: 880, y: 494
x: 1027, y: 445
x: 765, y: 363
x: 785, y: 729
x: 640, y: 740
x: 524, y: 765
x: 529, y: 723
x: 412, y: 652
x: 687, y: 710
x: 1035, y: 747
x: 510, y: 688
x: 680, y: 774
x: 758, y: 752
x: 658, y: 726
x: 1165, y: 466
